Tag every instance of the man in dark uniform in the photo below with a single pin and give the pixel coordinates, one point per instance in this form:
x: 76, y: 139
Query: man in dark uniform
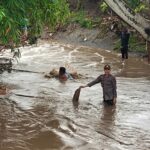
x: 124, y: 35
x: 108, y: 83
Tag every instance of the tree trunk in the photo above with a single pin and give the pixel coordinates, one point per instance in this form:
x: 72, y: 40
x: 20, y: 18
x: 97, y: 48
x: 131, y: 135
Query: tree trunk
x: 136, y: 21
x: 130, y: 17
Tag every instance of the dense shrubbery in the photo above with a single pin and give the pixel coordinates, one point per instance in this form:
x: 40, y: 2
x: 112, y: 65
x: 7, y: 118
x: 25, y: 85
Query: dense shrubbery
x: 15, y: 15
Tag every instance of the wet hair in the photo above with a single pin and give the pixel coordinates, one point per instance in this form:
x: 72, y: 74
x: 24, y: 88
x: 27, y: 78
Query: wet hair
x: 62, y: 70
x: 107, y: 67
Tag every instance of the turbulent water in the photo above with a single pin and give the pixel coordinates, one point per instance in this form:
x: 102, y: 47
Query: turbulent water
x: 38, y: 113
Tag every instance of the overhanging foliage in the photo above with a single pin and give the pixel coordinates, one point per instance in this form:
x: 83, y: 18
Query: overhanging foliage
x: 16, y: 14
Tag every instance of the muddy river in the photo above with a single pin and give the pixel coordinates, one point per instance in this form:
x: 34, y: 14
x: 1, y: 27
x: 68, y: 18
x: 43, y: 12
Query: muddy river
x: 37, y: 113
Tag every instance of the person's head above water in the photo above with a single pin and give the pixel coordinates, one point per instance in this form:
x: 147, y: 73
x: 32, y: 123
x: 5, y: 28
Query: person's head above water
x: 62, y: 74
x: 62, y: 70
x: 107, y: 69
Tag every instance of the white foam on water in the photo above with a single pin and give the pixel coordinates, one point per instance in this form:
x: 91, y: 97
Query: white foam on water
x: 102, y: 57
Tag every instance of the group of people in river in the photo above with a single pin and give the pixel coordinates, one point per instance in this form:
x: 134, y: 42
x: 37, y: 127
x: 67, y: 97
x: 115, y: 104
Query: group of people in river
x: 107, y: 80
x: 62, y: 74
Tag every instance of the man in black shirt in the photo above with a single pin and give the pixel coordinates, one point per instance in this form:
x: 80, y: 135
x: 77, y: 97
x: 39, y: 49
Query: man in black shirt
x: 124, y: 35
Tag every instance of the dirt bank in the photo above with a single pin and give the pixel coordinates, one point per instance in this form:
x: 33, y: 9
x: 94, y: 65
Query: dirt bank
x: 95, y: 37
x: 86, y: 37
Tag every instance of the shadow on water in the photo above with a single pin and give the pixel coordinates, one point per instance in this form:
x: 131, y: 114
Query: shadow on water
x: 107, y: 124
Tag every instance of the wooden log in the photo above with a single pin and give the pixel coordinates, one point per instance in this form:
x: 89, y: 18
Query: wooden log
x: 30, y: 96
x: 20, y: 70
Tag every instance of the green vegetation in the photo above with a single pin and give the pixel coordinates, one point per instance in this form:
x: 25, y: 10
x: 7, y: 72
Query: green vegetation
x: 140, y: 8
x: 135, y: 45
x: 133, y: 3
x: 81, y: 18
x: 15, y: 15
x: 137, y: 5
x: 35, y: 14
x: 103, y: 7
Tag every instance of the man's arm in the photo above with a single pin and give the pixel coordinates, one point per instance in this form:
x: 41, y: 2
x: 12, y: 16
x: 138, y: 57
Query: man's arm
x: 97, y: 80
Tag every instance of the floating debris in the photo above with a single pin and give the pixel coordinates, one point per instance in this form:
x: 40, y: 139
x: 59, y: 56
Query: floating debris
x: 5, y: 64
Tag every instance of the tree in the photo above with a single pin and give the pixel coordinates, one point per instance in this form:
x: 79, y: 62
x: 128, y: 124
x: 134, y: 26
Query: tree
x: 17, y: 14
x: 134, y: 19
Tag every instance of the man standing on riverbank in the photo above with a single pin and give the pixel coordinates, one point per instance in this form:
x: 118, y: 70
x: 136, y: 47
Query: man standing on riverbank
x: 108, y: 83
x: 124, y: 35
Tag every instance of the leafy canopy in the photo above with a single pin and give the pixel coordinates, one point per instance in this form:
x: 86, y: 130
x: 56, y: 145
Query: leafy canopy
x: 17, y: 14
x: 137, y: 5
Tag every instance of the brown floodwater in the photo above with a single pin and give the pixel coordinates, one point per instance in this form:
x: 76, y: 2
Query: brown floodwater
x: 38, y: 113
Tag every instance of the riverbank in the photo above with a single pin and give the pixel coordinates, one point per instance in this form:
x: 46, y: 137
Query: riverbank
x: 76, y: 35
x: 89, y: 26
x: 94, y: 25
x: 94, y: 38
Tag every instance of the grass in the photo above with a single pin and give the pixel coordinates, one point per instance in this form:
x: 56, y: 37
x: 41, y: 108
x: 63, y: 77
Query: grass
x: 83, y: 20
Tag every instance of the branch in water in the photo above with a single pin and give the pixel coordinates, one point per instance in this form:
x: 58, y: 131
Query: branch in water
x: 28, y: 96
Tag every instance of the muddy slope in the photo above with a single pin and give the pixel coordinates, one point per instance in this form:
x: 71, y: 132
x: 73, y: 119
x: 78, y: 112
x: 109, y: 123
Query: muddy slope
x: 76, y: 35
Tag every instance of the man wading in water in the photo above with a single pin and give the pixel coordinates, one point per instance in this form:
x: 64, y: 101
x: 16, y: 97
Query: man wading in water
x: 108, y: 83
